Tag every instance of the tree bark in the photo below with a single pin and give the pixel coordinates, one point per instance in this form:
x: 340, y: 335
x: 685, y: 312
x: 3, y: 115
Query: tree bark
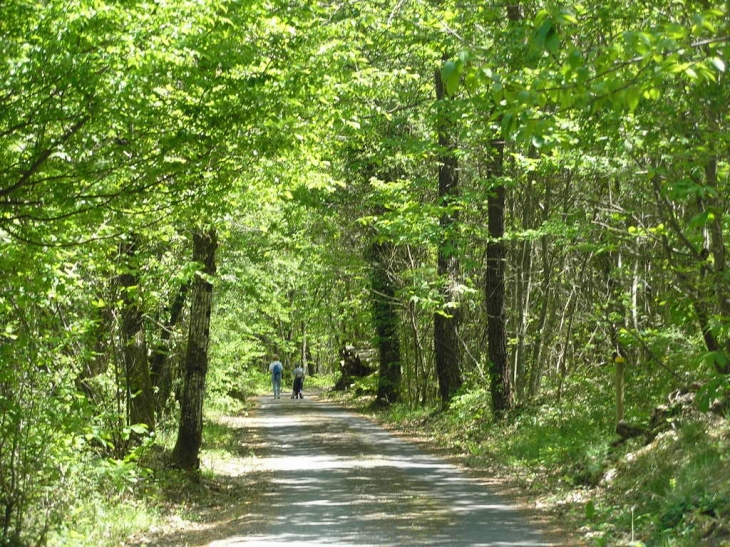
x: 499, y: 369
x: 386, y: 323
x: 500, y: 385
x: 140, y: 396
x: 537, y: 366
x: 190, y: 431
x: 160, y: 366
x: 446, y: 324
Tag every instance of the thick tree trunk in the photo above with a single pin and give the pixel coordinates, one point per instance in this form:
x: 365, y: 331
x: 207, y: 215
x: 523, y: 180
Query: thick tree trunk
x: 386, y: 323
x: 446, y: 324
x: 190, y: 431
x: 499, y: 369
x: 140, y: 396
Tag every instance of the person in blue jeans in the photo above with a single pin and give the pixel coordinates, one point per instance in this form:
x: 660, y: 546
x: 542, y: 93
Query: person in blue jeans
x: 277, y: 370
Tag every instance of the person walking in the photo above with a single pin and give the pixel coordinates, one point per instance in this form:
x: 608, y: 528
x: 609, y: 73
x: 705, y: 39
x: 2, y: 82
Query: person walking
x: 298, y: 382
x: 276, y: 369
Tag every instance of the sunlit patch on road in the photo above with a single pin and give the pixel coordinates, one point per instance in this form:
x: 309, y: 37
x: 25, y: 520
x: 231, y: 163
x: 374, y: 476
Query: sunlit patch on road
x: 339, y: 480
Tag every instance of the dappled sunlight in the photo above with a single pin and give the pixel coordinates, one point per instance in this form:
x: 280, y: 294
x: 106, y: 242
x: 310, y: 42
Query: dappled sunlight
x: 338, y: 480
x: 311, y: 463
x: 325, y: 477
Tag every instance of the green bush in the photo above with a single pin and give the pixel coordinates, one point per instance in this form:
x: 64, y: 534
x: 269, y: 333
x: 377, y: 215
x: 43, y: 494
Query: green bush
x: 678, y: 487
x: 101, y: 508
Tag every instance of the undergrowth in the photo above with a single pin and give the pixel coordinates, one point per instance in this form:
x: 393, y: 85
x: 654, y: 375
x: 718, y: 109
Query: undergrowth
x: 102, y: 503
x: 676, y: 490
x: 111, y: 500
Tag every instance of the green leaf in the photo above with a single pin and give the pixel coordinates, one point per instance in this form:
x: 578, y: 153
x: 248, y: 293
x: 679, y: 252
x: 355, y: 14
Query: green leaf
x: 583, y: 74
x: 541, y: 34
x: 450, y: 77
x: 652, y: 94
x: 633, y: 94
x: 506, y: 124
x: 567, y: 16
x: 590, y: 510
x: 139, y: 429
x: 497, y: 92
x: 575, y: 59
x: 541, y: 16
x: 552, y: 41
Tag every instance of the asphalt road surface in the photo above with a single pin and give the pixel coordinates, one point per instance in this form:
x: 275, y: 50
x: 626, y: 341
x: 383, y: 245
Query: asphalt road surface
x: 336, y: 479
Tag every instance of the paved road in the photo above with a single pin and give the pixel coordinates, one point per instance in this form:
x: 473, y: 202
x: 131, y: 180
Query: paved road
x: 336, y: 480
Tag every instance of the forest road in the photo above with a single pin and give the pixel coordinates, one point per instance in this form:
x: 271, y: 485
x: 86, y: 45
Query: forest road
x: 336, y: 479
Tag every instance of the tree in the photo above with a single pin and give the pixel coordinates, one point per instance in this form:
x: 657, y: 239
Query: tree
x: 446, y: 321
x: 387, y: 322
x: 140, y: 397
x: 594, y: 136
x: 500, y: 383
x: 190, y: 431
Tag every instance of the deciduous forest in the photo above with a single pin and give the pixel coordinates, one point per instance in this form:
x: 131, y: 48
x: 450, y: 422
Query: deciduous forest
x: 514, y: 212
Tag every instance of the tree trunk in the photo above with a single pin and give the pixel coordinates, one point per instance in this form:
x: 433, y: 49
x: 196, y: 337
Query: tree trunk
x: 190, y: 431
x: 499, y: 369
x: 160, y: 366
x: 523, y: 295
x: 140, y: 396
x: 620, y: 384
x: 537, y: 366
x: 386, y: 323
x: 717, y: 249
x: 446, y: 323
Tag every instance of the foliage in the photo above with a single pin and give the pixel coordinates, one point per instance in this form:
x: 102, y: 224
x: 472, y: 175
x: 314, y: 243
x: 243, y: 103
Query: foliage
x: 100, y: 508
x: 676, y: 489
x: 304, y: 133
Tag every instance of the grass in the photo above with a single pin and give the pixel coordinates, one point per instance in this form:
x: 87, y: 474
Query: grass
x: 113, y: 501
x: 105, y: 522
x: 678, y: 487
x: 103, y: 508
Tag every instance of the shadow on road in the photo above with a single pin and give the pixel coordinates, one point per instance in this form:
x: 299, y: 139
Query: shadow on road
x: 327, y: 477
